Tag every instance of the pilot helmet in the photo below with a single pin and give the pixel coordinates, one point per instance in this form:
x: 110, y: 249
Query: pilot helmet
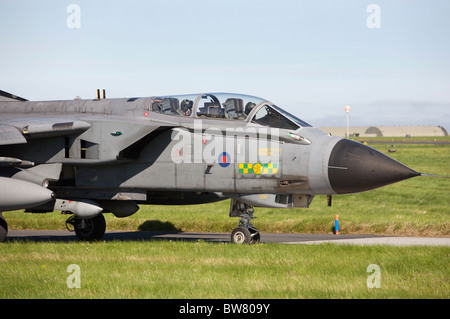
x: 249, y: 107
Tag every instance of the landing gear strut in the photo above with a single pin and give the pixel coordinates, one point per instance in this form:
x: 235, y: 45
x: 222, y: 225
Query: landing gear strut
x: 245, y: 233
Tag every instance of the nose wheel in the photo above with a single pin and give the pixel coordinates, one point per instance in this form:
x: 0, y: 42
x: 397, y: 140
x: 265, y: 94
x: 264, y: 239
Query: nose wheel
x: 241, y: 235
x: 245, y: 233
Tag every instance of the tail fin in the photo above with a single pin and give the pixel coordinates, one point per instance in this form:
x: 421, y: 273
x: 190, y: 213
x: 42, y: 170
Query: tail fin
x: 5, y: 96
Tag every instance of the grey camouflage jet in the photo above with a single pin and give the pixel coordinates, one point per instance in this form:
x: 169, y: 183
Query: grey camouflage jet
x: 87, y: 157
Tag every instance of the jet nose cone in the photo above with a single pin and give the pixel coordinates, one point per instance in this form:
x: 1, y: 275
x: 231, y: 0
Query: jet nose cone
x: 354, y: 167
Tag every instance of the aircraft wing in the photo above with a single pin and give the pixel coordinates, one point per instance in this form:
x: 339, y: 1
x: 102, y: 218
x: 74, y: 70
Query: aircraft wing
x: 11, y: 135
x: 17, y: 132
x: 105, y: 140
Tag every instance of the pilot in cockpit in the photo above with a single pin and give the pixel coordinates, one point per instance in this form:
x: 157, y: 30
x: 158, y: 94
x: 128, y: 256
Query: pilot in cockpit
x: 186, y: 107
x: 249, y: 107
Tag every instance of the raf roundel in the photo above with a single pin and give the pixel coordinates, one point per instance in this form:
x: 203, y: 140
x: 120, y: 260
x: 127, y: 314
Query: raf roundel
x: 224, y: 159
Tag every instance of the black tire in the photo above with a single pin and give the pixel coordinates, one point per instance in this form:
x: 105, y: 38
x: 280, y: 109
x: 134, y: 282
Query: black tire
x: 94, y: 230
x: 3, y: 228
x: 241, y: 236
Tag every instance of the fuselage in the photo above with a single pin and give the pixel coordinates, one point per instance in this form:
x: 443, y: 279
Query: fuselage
x: 201, y: 143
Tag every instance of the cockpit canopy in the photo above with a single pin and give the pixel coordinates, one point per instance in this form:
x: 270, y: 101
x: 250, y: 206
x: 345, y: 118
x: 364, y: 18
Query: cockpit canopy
x: 228, y: 107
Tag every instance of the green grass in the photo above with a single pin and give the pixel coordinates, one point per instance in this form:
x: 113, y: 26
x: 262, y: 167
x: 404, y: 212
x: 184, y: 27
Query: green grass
x: 156, y: 269
x: 415, y: 207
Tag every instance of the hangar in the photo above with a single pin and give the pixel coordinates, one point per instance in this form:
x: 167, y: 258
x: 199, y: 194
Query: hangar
x: 387, y: 131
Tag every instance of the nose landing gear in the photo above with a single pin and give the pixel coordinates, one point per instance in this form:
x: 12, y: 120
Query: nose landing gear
x: 245, y: 233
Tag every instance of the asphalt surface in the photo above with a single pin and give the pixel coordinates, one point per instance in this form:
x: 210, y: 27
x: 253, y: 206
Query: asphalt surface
x: 60, y: 235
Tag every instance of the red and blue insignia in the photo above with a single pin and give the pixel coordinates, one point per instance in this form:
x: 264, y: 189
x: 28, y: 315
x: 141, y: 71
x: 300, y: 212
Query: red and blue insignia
x: 224, y: 159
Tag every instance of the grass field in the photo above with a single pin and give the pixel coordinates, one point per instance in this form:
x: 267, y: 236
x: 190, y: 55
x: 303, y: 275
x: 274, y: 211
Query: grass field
x: 164, y: 269
x: 205, y: 270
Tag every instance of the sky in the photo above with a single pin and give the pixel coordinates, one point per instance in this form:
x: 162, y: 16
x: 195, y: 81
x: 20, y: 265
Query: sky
x: 389, y: 60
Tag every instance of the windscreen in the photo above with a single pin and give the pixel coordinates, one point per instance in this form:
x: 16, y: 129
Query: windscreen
x: 273, y: 116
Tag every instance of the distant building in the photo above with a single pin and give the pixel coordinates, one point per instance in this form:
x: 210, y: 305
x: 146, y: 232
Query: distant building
x: 387, y: 131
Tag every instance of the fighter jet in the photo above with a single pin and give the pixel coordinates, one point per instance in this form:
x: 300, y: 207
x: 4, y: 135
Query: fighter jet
x: 88, y: 157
